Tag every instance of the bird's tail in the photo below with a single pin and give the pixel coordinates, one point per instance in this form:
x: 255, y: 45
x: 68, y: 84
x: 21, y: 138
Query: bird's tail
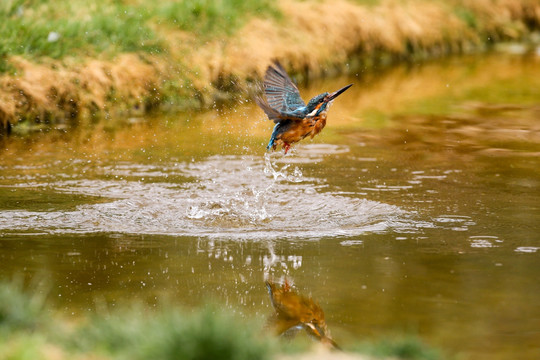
x: 270, y: 145
x: 271, y: 287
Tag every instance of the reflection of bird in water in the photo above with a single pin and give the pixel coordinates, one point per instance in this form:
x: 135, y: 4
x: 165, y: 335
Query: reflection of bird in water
x: 294, y: 119
x: 294, y: 311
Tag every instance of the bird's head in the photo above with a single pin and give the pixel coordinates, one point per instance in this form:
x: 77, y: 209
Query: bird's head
x: 321, y: 103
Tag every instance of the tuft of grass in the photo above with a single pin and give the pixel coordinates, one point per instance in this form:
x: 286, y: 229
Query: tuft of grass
x: 400, y: 347
x: 5, y: 65
x: 23, y: 347
x: 172, y: 334
x: 214, y: 17
x: 18, y: 310
x: 467, y: 15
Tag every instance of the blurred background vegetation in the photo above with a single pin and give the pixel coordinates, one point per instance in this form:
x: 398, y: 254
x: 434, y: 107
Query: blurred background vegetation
x: 56, y: 28
x: 63, y: 59
x: 29, y: 329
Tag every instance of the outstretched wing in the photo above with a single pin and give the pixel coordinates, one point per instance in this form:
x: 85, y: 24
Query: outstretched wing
x: 276, y: 115
x: 281, y: 93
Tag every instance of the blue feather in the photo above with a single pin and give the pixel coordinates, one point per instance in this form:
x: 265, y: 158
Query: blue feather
x: 273, y: 137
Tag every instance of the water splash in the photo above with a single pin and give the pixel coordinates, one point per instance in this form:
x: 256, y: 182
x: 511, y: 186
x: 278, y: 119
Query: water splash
x: 238, y: 197
x: 283, y: 172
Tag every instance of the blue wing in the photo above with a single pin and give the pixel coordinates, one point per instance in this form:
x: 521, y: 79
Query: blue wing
x: 280, y: 91
x: 283, y: 101
x: 279, y: 116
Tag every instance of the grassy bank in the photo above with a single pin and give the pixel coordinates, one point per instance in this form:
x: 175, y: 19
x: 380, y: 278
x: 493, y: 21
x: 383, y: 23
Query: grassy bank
x: 61, y: 60
x: 29, y: 329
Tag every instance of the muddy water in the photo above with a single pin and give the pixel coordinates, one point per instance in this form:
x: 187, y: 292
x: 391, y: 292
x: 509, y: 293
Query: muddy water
x: 417, y: 210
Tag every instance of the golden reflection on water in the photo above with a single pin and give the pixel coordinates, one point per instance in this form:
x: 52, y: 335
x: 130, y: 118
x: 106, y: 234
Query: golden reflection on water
x: 455, y: 92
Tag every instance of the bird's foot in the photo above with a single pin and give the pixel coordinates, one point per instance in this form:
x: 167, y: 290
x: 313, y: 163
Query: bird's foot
x: 286, y: 147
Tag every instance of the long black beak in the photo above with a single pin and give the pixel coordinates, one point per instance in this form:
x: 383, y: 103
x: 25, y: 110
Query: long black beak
x: 319, y: 334
x: 334, y: 95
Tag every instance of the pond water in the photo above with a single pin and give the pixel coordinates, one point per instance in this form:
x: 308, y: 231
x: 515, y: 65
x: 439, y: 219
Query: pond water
x: 416, y: 210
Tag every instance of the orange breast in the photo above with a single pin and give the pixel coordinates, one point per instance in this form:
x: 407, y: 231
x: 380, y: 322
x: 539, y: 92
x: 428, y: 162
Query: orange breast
x: 319, y: 125
x: 301, y: 129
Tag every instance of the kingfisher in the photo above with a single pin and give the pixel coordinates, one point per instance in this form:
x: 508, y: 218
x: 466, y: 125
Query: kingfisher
x: 294, y: 311
x: 294, y: 119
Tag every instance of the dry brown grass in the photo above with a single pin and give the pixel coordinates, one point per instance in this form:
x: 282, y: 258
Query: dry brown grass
x: 312, y: 37
x: 318, y: 36
x: 504, y: 18
x: 42, y: 92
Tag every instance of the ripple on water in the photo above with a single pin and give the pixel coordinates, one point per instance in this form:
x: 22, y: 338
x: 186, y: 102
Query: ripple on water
x: 239, y: 197
x: 484, y: 241
x: 351, y: 242
x: 527, y: 249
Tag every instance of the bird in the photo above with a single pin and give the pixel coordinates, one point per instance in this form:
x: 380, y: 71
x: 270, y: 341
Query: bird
x: 294, y: 311
x: 294, y: 119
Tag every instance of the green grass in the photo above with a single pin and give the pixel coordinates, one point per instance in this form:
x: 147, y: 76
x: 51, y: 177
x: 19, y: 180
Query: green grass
x: 29, y: 330
x: 26, y: 331
x: 20, y: 311
x: 400, y: 347
x: 171, y: 334
x: 57, y: 28
x: 467, y: 16
x: 213, y: 17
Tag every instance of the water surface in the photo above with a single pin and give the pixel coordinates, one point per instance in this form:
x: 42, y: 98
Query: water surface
x: 415, y: 211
